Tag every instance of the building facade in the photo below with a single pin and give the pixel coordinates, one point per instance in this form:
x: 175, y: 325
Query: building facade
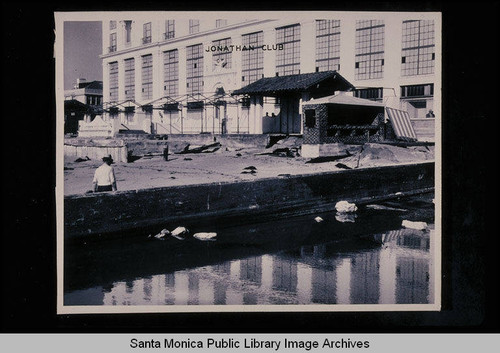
x: 174, y: 72
x: 81, y: 103
x: 89, y: 93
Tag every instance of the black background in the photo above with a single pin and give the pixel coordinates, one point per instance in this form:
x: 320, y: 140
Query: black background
x: 470, y: 157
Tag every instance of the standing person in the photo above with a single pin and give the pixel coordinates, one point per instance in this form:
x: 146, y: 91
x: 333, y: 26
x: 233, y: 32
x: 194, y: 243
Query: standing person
x: 104, y: 176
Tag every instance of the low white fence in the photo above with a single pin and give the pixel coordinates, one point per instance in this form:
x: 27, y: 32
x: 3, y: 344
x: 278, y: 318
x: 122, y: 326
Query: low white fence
x: 96, y: 149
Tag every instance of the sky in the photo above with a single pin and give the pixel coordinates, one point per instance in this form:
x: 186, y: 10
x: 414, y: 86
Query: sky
x: 82, y: 47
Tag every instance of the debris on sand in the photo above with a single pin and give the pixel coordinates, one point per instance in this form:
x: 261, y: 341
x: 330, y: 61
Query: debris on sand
x: 282, y: 152
x: 287, y: 147
x: 205, y: 236
x: 345, y: 207
x: 249, y: 170
x: 199, y: 149
x: 342, y: 166
x: 414, y: 225
x: 78, y: 160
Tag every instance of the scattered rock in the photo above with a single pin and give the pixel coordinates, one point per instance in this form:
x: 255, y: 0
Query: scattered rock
x: 161, y: 235
x: 188, y: 159
x: 318, y: 219
x: 179, y: 233
x: 250, y: 168
x: 205, y: 236
x: 414, y: 225
x: 345, y: 207
x: 346, y: 217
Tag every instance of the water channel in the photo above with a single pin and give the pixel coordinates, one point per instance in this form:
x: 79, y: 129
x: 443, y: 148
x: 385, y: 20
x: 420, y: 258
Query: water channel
x: 363, y: 258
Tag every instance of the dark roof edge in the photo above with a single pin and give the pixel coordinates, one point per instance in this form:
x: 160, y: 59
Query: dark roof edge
x: 321, y: 77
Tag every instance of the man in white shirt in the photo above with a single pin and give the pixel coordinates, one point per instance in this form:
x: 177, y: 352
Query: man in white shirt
x: 104, y: 176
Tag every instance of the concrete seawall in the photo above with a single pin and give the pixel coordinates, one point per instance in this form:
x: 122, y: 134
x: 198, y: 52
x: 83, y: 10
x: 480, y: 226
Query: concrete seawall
x: 124, y: 211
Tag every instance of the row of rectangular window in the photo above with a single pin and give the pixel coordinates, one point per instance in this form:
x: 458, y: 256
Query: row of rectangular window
x: 291, y: 32
x: 369, y: 64
x: 169, y: 24
x: 409, y: 91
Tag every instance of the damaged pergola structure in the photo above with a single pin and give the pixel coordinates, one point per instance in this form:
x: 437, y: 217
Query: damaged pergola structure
x: 176, y: 114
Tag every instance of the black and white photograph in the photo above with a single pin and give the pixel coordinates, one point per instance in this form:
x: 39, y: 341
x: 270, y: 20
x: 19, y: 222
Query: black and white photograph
x: 248, y: 161
x: 241, y: 176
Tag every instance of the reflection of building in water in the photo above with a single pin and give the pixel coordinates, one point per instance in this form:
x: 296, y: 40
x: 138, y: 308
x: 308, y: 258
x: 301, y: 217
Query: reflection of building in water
x: 323, y: 273
x: 406, y: 253
x: 284, y: 274
x: 251, y: 269
x: 413, y: 241
x: 365, y: 278
x: 193, y: 288
x: 324, y: 286
x: 399, y: 272
x: 412, y: 280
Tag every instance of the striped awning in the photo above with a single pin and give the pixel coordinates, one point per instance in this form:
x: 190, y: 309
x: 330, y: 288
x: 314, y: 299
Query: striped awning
x: 401, y: 124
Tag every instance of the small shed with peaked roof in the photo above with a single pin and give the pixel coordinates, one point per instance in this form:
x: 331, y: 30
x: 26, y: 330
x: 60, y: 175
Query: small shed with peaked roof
x: 289, y: 93
x: 340, y: 118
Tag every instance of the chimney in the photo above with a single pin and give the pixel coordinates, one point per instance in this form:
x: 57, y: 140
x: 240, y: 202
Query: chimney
x: 79, y: 81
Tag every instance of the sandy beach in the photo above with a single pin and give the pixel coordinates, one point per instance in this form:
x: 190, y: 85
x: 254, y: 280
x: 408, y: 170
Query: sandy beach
x: 229, y: 164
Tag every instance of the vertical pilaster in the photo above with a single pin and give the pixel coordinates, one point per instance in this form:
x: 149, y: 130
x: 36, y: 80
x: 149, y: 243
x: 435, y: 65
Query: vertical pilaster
x: 307, y: 46
x: 269, y: 55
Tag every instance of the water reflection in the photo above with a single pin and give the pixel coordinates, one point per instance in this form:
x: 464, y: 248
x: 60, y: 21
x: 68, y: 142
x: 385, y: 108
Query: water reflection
x: 393, y: 267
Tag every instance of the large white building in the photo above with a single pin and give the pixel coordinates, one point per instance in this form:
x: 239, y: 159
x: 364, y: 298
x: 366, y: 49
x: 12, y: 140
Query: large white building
x: 178, y: 72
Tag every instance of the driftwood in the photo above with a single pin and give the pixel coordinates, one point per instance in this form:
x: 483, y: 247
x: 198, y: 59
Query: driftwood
x: 205, y: 148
